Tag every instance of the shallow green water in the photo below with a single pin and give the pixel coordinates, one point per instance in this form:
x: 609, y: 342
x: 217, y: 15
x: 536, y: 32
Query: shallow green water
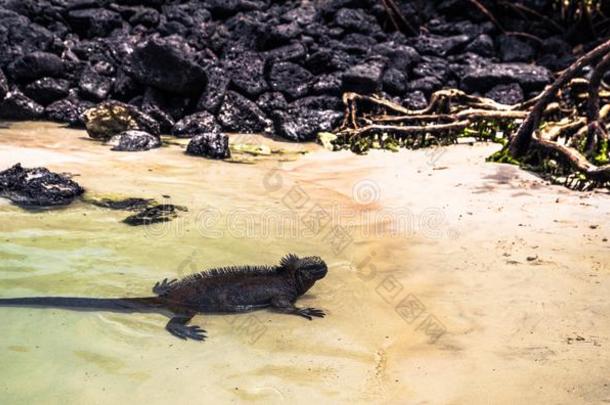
x: 510, y: 267
x: 237, y: 214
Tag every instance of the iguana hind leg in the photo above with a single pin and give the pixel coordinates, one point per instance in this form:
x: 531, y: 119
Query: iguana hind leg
x: 163, y: 287
x: 285, y: 306
x: 178, y: 327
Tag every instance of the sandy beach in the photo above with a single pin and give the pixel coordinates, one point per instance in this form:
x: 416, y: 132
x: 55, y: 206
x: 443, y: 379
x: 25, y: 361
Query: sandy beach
x: 451, y: 280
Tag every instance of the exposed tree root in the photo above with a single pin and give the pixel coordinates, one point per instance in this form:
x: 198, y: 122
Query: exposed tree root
x: 570, y: 146
x: 522, y: 139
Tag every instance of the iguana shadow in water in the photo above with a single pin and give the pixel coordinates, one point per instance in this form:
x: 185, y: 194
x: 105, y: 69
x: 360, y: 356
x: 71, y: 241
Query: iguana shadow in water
x: 220, y: 290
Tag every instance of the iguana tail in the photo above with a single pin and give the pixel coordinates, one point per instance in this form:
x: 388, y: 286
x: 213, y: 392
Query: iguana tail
x: 148, y: 304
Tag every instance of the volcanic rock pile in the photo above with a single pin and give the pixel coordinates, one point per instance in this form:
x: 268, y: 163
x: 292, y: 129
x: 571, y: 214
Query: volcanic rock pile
x: 213, y: 66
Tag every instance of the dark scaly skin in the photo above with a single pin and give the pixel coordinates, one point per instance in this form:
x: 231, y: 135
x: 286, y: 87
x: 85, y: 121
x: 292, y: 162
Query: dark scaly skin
x: 224, y: 290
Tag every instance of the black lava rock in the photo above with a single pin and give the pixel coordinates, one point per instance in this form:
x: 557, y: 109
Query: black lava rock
x: 47, y: 90
x: 401, y: 57
x: 356, y: 20
x: 36, y: 65
x: 327, y: 84
x: 290, y: 79
x: 210, y: 145
x: 214, y: 93
x: 168, y: 64
x: 426, y: 85
x: 268, y: 102
x: 68, y: 110
x: 432, y: 67
x: 134, y: 141
x: 324, y: 102
x: 17, y: 106
x: 293, y: 52
x: 529, y: 77
x: 94, y: 86
x: 513, y: 49
x: 439, y: 46
x: 198, y: 123
x: 394, y: 81
x: 152, y: 215
x: 301, y: 124
x: 506, y: 94
x: 3, y: 86
x: 146, y: 16
x: 415, y: 100
x: 37, y: 187
x: 482, y: 45
x: 247, y: 73
x: 364, y: 78
x: 238, y: 114
x: 94, y: 22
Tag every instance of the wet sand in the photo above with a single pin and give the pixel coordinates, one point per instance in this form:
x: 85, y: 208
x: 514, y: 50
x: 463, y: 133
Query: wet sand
x: 451, y: 280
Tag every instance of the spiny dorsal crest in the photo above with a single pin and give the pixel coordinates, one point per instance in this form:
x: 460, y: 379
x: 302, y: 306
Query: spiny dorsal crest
x: 290, y: 262
x: 232, y: 271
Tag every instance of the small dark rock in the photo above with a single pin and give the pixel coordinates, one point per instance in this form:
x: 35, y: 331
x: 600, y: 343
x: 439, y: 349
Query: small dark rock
x: 153, y: 215
x: 439, y: 46
x: 272, y: 101
x: 355, y: 20
x: 36, y: 65
x: 401, y: 57
x: 530, y: 77
x: 427, y: 85
x: 247, y: 73
x: 292, y: 52
x: 279, y: 34
x: 148, y: 17
x: 325, y: 102
x: 431, y: 66
x: 482, y: 45
x: 394, y: 81
x: 37, y: 187
x: 415, y: 100
x: 290, y: 79
x: 17, y: 106
x: 364, y: 78
x: 508, y: 94
x: 94, y: 22
x: 168, y: 64
x: 513, y: 49
x: 238, y: 114
x: 211, y: 145
x: 134, y: 141
x: 326, y: 60
x: 93, y: 86
x: 327, y: 84
x: 214, y: 93
x: 3, y: 86
x: 47, y: 90
x: 164, y: 119
x: 125, y: 87
x: 198, y: 123
x: 302, y: 124
x: 68, y: 110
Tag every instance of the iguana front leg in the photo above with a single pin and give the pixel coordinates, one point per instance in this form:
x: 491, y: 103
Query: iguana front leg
x: 285, y: 306
x: 178, y: 327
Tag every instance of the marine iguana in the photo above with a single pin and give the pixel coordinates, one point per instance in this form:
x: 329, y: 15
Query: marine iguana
x: 218, y: 290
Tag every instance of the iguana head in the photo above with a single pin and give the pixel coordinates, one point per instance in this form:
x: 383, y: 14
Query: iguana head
x: 306, y: 270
